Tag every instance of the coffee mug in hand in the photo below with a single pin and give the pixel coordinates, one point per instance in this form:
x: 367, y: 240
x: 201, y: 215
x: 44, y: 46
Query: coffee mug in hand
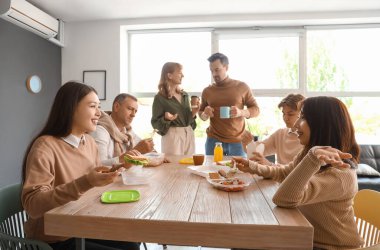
x: 198, y: 159
x: 194, y: 101
x: 225, y: 112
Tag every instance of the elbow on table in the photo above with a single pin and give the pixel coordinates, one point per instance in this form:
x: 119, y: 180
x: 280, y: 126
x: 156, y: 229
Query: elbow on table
x: 284, y: 202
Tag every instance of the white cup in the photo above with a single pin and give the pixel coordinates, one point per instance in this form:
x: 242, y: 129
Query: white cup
x: 255, y: 147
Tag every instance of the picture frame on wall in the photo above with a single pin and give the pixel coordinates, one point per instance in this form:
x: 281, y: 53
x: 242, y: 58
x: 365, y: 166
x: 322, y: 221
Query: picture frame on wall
x: 98, y: 80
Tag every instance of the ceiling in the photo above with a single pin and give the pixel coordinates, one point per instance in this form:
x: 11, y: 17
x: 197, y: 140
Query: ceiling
x: 89, y: 10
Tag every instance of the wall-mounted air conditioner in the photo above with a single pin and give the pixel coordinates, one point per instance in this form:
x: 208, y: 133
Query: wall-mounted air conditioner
x: 27, y: 16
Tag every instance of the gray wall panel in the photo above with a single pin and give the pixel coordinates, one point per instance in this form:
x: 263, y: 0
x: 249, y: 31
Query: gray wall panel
x: 22, y: 114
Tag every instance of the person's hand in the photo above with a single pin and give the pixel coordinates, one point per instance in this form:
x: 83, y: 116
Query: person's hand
x: 194, y: 110
x: 241, y: 164
x: 259, y: 158
x: 145, y: 146
x: 170, y: 116
x: 124, y: 164
x: 247, y: 137
x: 236, y: 112
x: 209, y: 111
x: 332, y: 156
x: 100, y: 176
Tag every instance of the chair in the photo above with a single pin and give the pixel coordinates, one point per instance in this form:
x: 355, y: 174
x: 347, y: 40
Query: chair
x: 367, y: 207
x: 12, y: 218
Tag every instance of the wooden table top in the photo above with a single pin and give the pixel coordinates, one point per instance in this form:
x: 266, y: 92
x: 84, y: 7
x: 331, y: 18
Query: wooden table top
x: 180, y: 208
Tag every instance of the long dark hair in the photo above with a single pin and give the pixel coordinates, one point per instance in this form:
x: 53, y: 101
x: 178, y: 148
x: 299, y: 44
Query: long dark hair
x: 60, y: 120
x: 330, y: 125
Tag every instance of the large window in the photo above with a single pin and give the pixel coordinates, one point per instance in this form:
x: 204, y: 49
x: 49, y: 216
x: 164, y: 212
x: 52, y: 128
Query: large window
x: 343, y: 59
x: 149, y: 51
x: 339, y: 61
x: 264, y: 61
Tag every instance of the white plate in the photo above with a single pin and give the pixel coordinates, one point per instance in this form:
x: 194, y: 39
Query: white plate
x: 244, y: 178
x: 205, y: 170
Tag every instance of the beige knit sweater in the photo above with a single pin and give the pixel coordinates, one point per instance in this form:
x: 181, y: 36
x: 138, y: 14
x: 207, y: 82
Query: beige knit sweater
x: 284, y: 144
x: 55, y: 175
x: 324, y: 197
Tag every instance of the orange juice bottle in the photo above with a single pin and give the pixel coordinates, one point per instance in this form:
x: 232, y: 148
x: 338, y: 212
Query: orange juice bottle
x: 218, y: 152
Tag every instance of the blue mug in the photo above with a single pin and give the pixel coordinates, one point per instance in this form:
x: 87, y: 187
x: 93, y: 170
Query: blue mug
x: 225, y: 112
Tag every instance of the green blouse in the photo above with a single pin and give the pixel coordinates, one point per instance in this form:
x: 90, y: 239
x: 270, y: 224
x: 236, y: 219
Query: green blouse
x: 162, y: 104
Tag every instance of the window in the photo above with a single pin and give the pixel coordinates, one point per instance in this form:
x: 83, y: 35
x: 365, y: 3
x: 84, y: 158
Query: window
x: 343, y: 59
x: 339, y: 61
x: 149, y: 52
x: 264, y: 61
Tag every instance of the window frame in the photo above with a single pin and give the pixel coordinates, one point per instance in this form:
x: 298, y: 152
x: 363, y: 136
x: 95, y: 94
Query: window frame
x: 216, y: 33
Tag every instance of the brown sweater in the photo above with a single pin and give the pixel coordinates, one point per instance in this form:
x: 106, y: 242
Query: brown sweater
x: 55, y: 175
x: 227, y: 93
x: 325, y: 198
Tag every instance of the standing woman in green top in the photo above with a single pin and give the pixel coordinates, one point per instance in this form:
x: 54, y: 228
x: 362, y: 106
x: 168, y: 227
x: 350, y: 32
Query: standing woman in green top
x: 171, y: 113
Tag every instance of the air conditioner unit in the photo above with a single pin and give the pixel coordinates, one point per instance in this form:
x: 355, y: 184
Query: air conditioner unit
x: 26, y: 15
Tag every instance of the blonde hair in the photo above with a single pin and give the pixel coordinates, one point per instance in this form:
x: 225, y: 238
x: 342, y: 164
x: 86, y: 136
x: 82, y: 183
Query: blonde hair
x: 163, y: 85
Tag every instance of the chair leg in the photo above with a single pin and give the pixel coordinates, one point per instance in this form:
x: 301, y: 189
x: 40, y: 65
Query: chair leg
x: 145, y: 247
x: 80, y: 244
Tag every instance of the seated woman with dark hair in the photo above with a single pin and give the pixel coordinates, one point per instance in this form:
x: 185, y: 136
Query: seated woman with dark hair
x: 63, y: 162
x: 321, y: 181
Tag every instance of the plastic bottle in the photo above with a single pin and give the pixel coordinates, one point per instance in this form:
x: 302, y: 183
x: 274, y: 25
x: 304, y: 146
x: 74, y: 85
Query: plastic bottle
x: 218, y: 152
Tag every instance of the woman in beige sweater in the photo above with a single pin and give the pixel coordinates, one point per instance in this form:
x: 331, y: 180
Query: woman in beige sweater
x: 62, y: 163
x: 321, y: 181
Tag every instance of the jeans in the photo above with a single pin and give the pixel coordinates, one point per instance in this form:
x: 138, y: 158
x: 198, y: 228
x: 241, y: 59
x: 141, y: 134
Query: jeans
x: 93, y: 244
x: 230, y: 149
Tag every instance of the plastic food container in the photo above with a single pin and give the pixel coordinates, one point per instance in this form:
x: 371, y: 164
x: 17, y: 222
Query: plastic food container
x: 154, y: 159
x: 136, y: 175
x: 231, y: 184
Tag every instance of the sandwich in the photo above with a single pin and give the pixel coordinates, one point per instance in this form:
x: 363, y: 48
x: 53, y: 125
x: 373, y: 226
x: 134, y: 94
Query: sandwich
x: 136, y: 159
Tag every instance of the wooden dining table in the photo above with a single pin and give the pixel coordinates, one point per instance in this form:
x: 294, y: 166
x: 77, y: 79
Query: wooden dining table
x: 178, y: 207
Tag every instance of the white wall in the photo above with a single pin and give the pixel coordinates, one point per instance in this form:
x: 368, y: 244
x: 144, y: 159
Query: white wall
x: 96, y: 45
x: 93, y: 46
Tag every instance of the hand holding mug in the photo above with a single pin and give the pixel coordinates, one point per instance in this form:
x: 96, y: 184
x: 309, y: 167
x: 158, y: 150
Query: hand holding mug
x: 195, y: 102
x: 195, y: 105
x: 170, y: 117
x: 235, y: 112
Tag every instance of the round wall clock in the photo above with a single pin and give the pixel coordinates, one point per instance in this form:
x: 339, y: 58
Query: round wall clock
x: 34, y: 84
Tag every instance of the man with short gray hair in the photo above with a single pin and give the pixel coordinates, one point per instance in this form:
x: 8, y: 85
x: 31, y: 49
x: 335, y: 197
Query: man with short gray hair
x: 114, y: 134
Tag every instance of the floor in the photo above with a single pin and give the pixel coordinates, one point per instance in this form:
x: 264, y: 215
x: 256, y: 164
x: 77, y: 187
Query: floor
x: 154, y: 246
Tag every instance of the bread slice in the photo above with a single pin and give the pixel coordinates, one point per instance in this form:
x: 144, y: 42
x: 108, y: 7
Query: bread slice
x: 214, y: 175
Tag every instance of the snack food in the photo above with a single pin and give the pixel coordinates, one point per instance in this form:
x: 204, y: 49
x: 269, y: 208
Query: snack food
x: 214, y: 175
x: 224, y: 163
x: 103, y: 169
x: 231, y: 184
x: 136, y: 159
